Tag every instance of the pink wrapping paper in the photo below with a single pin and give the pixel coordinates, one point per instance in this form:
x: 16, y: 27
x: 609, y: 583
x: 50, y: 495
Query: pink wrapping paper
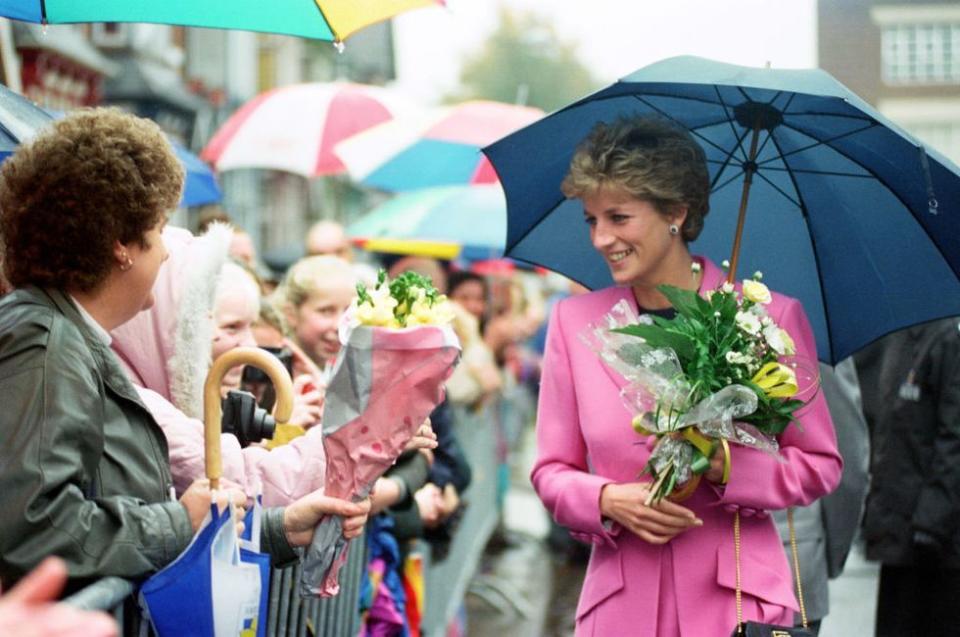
x: 384, y: 384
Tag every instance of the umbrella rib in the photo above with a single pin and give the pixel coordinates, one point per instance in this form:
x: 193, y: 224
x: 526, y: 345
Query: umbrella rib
x: 813, y: 247
x: 770, y: 132
x: 733, y: 129
x: 816, y: 143
x: 508, y: 248
x: 839, y: 115
x: 779, y: 189
x: 714, y: 189
x: 726, y: 161
x: 693, y: 131
x: 825, y: 173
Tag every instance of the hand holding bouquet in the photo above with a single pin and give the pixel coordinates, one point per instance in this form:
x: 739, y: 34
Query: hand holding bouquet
x: 720, y: 371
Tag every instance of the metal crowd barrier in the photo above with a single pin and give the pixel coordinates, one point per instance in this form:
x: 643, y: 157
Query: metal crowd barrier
x: 446, y: 581
x: 288, y: 614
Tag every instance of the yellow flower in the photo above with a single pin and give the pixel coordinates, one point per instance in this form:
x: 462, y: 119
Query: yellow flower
x: 379, y: 313
x: 789, y: 347
x: 756, y: 292
x: 776, y: 380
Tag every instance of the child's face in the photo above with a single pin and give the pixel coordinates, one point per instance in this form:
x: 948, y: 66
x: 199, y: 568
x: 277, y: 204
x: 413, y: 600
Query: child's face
x: 315, y: 322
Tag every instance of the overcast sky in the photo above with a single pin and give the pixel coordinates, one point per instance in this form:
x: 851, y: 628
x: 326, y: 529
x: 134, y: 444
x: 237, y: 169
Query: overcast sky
x: 614, y: 37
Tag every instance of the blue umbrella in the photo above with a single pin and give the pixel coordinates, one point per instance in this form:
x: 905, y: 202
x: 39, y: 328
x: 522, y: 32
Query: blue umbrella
x: 201, y: 186
x: 19, y: 120
x: 847, y: 212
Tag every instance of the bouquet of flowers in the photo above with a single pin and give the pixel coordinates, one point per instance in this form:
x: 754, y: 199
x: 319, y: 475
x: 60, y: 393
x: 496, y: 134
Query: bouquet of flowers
x: 721, y: 370
x: 398, y: 350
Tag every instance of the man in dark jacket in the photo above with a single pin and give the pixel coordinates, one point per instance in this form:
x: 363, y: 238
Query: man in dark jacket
x: 912, y: 523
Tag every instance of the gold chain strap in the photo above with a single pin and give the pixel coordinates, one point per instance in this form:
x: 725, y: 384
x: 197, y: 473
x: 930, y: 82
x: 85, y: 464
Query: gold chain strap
x: 736, y: 551
x: 796, y: 568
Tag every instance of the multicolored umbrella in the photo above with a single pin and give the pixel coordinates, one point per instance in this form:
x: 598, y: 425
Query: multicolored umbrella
x: 321, y: 19
x: 467, y: 221
x: 438, y: 148
x: 294, y: 128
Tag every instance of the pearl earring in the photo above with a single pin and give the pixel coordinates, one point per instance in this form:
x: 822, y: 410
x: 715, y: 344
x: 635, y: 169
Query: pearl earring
x: 674, y: 229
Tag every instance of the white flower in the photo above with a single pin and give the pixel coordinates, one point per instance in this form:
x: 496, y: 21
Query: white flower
x: 716, y: 314
x: 758, y: 275
x: 765, y: 320
x: 748, y: 323
x: 773, y: 335
x: 756, y: 292
x: 727, y: 287
x: 725, y: 264
x: 695, y: 267
x: 736, y: 358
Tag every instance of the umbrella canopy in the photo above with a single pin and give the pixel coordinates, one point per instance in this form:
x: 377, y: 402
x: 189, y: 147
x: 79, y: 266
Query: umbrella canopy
x: 294, y: 128
x: 847, y: 212
x: 20, y: 119
x: 472, y: 220
x: 437, y: 148
x: 320, y: 19
x: 200, y: 187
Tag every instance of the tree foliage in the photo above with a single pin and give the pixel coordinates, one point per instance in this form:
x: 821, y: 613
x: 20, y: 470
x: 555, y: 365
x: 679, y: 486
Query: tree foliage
x: 524, y: 61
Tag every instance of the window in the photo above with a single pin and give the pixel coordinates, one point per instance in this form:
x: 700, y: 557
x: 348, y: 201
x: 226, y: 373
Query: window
x: 109, y: 35
x: 921, y: 53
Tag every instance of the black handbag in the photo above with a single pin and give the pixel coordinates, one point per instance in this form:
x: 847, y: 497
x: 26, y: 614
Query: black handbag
x: 756, y: 629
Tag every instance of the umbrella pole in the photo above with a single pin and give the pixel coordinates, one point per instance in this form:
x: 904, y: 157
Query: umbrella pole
x: 212, y: 412
x: 749, y: 169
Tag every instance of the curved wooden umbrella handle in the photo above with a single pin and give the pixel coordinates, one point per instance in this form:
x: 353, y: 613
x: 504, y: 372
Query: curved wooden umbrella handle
x: 212, y: 412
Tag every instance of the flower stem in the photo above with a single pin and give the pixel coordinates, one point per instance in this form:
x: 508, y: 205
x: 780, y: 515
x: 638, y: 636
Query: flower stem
x: 655, y: 495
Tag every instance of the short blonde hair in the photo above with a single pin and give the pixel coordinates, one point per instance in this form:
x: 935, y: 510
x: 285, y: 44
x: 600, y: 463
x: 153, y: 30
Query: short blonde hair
x: 307, y: 276
x: 648, y: 158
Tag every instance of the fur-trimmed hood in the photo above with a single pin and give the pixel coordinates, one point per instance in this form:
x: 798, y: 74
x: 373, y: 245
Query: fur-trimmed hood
x: 167, y: 348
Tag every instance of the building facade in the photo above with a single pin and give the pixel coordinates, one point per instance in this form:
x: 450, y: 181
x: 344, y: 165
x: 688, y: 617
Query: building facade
x: 903, y: 57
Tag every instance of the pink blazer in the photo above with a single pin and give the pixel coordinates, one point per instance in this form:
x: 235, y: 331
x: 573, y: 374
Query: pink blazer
x: 685, y: 587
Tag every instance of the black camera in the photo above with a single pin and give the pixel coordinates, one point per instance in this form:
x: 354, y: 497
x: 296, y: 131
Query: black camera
x: 244, y: 419
x: 257, y: 382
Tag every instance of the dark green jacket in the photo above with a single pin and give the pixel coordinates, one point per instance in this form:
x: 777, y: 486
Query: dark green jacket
x: 83, y: 466
x: 84, y: 470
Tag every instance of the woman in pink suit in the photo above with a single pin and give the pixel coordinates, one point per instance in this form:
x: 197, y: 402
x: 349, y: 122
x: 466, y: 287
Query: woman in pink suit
x: 667, y: 569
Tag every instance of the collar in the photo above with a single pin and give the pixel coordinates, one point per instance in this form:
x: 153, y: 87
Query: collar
x: 97, y: 329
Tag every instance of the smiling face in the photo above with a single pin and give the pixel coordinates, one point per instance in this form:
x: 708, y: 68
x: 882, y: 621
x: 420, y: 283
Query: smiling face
x: 632, y: 236
x: 316, y: 320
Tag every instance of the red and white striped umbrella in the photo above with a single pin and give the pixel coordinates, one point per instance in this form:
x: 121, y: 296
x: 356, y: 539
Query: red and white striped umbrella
x: 294, y: 128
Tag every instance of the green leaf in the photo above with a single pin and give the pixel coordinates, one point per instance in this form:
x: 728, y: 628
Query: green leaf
x: 656, y: 336
x: 683, y: 301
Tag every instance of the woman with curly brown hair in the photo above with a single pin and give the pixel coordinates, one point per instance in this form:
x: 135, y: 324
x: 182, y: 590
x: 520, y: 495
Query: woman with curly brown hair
x: 83, y: 465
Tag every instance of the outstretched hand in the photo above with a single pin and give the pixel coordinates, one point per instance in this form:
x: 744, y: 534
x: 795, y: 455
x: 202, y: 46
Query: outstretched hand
x: 29, y: 609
